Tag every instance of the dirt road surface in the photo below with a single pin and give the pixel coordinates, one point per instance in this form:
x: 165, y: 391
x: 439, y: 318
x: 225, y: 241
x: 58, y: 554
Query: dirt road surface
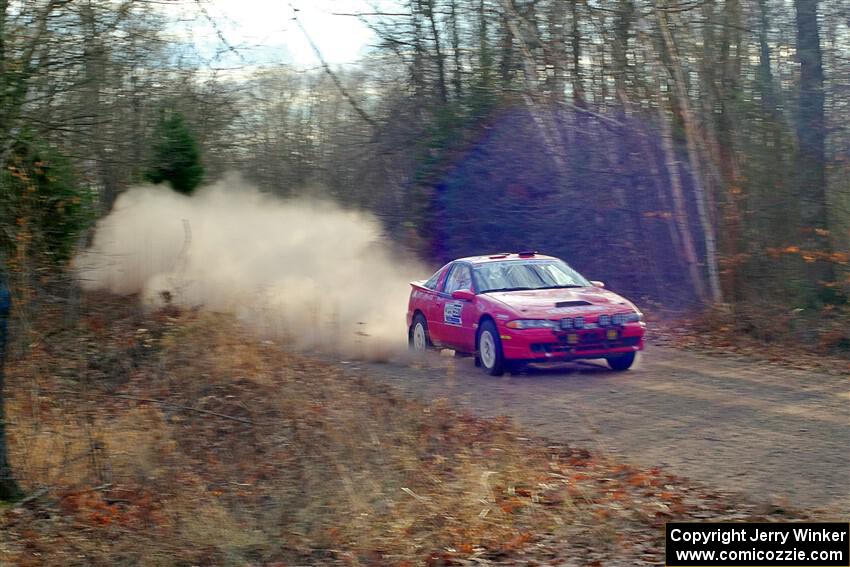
x: 769, y: 433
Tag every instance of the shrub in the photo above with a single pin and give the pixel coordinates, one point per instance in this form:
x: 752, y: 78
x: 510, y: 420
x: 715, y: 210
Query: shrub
x: 43, y: 208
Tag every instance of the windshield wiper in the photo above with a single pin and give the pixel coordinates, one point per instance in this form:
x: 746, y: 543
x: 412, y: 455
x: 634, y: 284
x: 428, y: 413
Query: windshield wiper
x: 508, y: 289
x: 560, y: 286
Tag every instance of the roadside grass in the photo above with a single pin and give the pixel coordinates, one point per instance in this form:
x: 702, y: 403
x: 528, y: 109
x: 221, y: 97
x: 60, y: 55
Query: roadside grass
x: 178, y: 438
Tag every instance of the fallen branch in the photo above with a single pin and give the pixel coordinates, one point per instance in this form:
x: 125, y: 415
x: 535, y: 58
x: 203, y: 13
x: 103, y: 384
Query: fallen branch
x: 34, y: 496
x: 187, y: 408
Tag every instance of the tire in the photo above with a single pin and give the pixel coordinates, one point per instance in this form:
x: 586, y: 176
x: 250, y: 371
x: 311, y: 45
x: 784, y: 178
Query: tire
x: 621, y: 362
x: 418, y: 338
x: 489, y: 347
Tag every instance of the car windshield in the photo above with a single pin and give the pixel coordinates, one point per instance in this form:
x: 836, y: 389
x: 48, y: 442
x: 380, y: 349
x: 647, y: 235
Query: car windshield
x: 523, y: 275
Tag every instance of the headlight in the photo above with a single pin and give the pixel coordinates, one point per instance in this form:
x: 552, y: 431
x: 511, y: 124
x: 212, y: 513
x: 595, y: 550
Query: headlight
x: 578, y: 322
x: 531, y: 324
x: 567, y: 323
x: 634, y: 317
x: 604, y: 320
x: 623, y: 318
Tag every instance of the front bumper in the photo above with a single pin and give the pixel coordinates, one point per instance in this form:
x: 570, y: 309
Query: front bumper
x: 549, y: 344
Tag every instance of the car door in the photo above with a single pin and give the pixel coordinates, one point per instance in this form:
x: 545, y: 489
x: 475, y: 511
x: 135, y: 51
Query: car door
x: 436, y: 309
x: 432, y: 303
x: 425, y: 297
x: 458, y: 324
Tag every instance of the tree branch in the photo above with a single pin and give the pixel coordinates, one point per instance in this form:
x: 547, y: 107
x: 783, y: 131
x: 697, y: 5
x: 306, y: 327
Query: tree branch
x: 187, y: 408
x: 354, y: 104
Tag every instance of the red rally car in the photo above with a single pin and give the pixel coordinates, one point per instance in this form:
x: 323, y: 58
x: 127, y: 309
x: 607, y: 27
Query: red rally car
x: 507, y: 309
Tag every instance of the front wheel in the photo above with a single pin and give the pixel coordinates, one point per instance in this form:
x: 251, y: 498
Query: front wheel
x: 490, y: 349
x: 621, y: 361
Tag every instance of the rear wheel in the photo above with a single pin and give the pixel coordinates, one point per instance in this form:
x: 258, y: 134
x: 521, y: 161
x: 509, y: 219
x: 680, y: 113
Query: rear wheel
x: 621, y: 361
x: 490, y: 349
x: 419, y: 339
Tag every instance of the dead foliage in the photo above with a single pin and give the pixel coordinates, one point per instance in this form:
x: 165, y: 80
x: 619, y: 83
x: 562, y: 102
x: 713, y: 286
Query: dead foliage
x: 180, y: 439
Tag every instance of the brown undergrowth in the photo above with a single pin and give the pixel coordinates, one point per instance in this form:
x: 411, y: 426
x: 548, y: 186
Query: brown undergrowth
x: 178, y: 438
x: 804, y: 339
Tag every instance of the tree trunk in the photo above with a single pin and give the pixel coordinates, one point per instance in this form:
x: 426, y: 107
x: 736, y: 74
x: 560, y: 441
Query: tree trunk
x: 622, y: 23
x: 683, y: 237
x: 506, y: 61
x: 578, y: 84
x: 8, y: 487
x: 457, y: 77
x: 720, y: 93
x: 441, y: 64
x: 691, y: 135
x: 811, y: 156
x: 417, y: 73
x: 765, y: 75
x: 551, y: 140
x: 557, y: 51
x: 485, y: 57
x: 680, y: 214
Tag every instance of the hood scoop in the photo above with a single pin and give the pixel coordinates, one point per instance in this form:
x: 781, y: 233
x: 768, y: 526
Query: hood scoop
x: 577, y: 303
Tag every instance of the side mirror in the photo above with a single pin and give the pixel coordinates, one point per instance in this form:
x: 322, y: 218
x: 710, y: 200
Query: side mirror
x: 597, y: 283
x: 463, y: 294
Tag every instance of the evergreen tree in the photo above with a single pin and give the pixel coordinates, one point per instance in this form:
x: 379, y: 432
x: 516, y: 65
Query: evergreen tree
x: 176, y: 158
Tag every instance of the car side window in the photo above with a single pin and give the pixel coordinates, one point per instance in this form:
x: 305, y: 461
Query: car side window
x: 459, y: 278
x: 435, y: 279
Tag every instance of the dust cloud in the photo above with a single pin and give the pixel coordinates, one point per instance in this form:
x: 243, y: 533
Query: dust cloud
x: 308, y: 271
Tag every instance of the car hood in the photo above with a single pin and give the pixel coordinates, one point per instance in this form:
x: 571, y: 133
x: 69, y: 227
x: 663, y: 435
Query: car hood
x: 554, y: 303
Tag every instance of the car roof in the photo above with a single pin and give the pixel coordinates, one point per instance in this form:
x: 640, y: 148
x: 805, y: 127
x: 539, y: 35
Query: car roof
x: 502, y: 256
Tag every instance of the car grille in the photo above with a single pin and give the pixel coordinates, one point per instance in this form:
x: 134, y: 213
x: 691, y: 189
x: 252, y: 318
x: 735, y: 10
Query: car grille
x: 587, y: 341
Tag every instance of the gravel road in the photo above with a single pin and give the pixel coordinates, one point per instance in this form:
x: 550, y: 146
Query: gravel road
x: 767, y: 432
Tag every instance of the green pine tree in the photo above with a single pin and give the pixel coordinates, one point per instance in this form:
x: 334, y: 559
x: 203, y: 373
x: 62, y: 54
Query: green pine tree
x: 176, y: 158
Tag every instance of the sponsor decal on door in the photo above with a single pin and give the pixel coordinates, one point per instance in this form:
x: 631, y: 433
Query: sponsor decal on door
x: 451, y: 313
